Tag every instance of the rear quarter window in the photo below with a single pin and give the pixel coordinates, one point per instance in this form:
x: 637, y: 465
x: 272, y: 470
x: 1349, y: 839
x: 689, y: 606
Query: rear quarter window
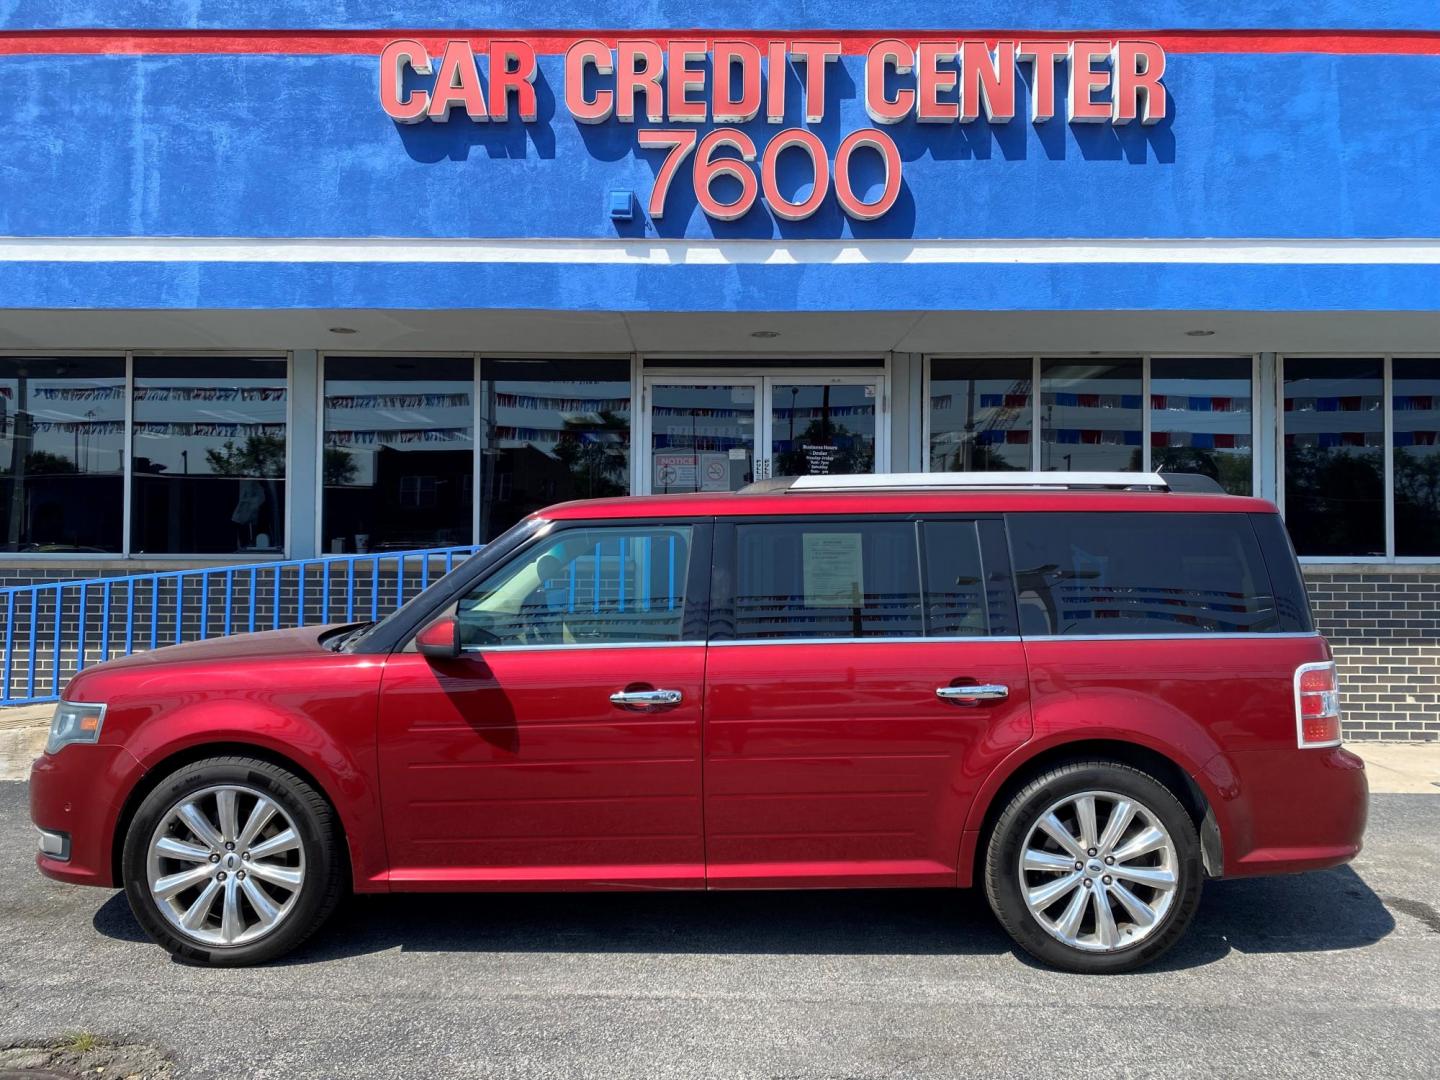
x: 1142, y: 574
x: 1292, y: 603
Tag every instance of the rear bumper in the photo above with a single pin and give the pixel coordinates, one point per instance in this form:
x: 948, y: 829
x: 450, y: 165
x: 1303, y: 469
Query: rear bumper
x: 78, y: 793
x: 1285, y: 811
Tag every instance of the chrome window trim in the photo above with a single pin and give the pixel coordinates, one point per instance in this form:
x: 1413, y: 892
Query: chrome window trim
x: 914, y: 640
x: 973, y: 639
x: 582, y: 645
x: 978, y: 638
x: 1239, y: 635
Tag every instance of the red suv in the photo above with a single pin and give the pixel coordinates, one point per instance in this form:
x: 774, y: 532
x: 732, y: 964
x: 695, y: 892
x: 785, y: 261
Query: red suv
x: 1088, y: 693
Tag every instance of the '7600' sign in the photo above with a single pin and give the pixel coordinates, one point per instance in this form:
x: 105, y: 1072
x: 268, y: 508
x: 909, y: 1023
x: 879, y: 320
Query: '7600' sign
x: 932, y: 82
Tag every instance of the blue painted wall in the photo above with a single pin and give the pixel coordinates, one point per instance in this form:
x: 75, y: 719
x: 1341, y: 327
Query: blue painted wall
x: 1293, y: 145
x: 1258, y: 146
x: 848, y: 287
x: 855, y: 14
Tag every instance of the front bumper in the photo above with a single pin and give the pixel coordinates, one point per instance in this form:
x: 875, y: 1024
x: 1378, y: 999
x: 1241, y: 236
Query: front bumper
x: 78, y: 794
x: 1285, y: 811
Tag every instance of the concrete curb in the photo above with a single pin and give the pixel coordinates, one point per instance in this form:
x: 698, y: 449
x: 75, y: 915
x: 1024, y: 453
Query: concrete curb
x: 22, y: 737
x: 1401, y: 768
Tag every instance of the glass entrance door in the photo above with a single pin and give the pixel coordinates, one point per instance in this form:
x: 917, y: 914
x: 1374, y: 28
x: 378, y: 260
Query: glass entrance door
x: 822, y: 428
x: 720, y: 432
x: 703, y: 434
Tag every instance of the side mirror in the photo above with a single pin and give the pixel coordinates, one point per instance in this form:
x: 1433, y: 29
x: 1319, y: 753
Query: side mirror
x: 440, y: 640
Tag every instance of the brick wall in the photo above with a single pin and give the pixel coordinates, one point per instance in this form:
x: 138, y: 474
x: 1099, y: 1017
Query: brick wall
x: 1384, y: 625
x: 15, y: 575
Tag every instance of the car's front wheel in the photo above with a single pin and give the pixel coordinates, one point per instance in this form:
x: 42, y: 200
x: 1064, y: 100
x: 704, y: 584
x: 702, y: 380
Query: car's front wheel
x: 1094, y: 867
x: 232, y: 861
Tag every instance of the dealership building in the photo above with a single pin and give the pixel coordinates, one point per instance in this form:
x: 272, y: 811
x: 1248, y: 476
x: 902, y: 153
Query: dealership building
x: 288, y: 280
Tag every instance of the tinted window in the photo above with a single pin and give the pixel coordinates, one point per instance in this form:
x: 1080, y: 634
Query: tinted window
x: 1416, y: 402
x: 815, y: 579
x: 399, y: 458
x: 1200, y: 419
x: 551, y: 430
x: 208, y: 448
x: 1090, y: 415
x: 62, y: 449
x: 980, y: 415
x: 1292, y: 604
x: 1335, y: 456
x: 956, y: 599
x: 585, y: 586
x: 1126, y: 573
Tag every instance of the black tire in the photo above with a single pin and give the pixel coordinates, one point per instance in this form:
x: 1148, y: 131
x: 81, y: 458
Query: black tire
x: 1003, y: 878
x: 321, y: 842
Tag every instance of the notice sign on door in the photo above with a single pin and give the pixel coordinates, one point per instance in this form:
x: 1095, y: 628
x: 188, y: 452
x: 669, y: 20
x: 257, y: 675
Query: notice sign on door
x: 674, y: 472
x: 692, y: 472
x: 834, y: 571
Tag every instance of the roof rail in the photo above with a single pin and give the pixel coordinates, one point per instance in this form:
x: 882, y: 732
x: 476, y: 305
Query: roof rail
x: 974, y: 481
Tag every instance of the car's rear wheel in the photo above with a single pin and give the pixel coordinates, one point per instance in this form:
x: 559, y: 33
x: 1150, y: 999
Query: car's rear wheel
x: 1094, y: 867
x: 232, y: 861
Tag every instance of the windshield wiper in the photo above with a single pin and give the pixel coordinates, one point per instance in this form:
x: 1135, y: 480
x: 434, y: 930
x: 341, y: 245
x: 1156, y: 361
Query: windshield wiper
x: 350, y: 636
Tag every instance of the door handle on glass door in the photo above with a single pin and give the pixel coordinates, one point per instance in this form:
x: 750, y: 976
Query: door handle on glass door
x: 645, y: 699
x: 973, y: 695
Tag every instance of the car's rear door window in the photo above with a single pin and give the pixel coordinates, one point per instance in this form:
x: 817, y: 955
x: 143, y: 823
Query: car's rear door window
x: 968, y: 592
x: 604, y: 585
x: 1139, y: 574
x: 956, y: 603
x: 819, y: 579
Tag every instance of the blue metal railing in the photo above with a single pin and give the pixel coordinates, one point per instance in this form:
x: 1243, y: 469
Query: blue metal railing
x: 54, y: 630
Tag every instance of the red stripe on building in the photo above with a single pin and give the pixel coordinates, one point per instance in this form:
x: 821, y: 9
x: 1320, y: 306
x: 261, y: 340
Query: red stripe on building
x: 370, y: 43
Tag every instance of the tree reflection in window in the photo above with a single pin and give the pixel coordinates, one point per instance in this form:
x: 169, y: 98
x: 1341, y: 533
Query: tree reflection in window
x: 551, y: 430
x: 1334, y: 456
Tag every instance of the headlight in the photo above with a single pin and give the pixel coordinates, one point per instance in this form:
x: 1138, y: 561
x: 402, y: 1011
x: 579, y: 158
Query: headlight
x: 74, y: 722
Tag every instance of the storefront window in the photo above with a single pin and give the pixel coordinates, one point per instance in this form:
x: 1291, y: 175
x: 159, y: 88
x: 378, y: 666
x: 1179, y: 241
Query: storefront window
x: 399, y: 454
x: 62, y: 451
x: 1415, y: 385
x: 208, y: 454
x: 551, y: 430
x: 981, y: 415
x: 1334, y: 456
x: 1201, y: 419
x: 1090, y: 415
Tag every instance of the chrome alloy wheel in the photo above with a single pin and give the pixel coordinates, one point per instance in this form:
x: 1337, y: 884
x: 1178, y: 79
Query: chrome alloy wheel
x: 1099, y: 871
x: 225, y: 865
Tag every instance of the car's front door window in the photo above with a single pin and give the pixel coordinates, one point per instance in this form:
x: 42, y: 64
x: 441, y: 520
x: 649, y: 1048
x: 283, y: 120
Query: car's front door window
x: 604, y: 585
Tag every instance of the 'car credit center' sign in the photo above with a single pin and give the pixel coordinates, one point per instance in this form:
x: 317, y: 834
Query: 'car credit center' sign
x: 666, y: 89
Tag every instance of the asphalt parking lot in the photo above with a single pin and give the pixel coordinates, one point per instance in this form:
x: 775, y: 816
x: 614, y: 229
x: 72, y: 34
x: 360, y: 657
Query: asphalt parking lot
x: 1329, y: 974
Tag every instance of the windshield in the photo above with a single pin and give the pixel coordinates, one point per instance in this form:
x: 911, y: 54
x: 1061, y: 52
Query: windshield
x: 494, y: 550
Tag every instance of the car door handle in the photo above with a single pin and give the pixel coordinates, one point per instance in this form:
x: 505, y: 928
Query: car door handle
x: 646, y: 699
x: 973, y: 695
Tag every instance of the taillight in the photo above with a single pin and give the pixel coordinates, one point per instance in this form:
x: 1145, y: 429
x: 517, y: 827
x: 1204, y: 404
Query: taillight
x: 1317, y: 704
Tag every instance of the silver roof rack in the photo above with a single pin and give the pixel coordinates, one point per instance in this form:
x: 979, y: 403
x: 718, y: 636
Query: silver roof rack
x: 980, y: 481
